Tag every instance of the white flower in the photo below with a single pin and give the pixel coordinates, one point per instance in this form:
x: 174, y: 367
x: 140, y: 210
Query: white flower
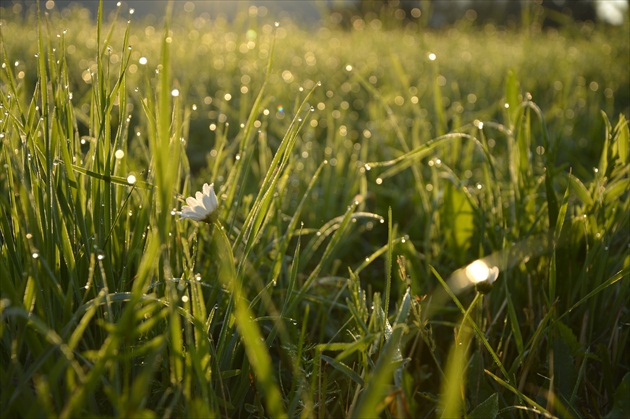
x: 482, y: 275
x: 202, y: 207
x: 479, y: 271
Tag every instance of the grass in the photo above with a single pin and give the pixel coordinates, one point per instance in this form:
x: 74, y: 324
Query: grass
x: 357, y: 175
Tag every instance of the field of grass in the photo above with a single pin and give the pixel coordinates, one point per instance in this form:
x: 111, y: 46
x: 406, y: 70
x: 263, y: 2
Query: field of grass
x: 369, y: 181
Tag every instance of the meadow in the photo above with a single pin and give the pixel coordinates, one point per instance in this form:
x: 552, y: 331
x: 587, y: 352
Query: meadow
x: 412, y: 222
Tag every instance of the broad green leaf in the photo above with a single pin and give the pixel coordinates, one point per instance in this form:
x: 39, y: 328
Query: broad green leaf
x: 621, y: 406
x: 488, y: 409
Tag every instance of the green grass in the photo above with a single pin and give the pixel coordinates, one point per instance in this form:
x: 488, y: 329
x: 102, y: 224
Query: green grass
x: 356, y: 176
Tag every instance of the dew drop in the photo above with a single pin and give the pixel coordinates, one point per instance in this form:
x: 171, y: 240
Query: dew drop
x: 35, y: 255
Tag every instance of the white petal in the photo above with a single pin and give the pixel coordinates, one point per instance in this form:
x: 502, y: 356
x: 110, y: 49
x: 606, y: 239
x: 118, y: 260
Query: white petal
x: 192, y: 201
x: 207, y: 203
x: 214, y: 203
x: 192, y: 213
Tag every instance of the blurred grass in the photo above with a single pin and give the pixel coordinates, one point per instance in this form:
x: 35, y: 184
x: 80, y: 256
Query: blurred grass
x: 356, y: 172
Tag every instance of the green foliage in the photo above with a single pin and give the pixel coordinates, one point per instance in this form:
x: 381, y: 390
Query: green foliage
x: 356, y: 174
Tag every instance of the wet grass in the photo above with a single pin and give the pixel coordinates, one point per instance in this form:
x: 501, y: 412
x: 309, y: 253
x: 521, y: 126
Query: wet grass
x: 359, y: 173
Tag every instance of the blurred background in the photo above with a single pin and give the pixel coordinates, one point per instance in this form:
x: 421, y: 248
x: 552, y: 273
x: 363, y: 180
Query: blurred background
x: 436, y: 12
x: 571, y: 57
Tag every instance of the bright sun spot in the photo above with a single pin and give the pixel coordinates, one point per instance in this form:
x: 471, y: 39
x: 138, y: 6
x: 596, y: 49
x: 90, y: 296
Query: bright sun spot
x: 479, y: 271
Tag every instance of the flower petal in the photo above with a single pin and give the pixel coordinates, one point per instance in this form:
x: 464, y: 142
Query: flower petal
x: 214, y: 203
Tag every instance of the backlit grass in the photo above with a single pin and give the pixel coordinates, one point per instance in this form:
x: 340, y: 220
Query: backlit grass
x: 358, y: 174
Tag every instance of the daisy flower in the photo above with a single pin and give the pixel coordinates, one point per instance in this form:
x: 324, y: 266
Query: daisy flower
x: 482, y: 275
x: 203, y: 206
